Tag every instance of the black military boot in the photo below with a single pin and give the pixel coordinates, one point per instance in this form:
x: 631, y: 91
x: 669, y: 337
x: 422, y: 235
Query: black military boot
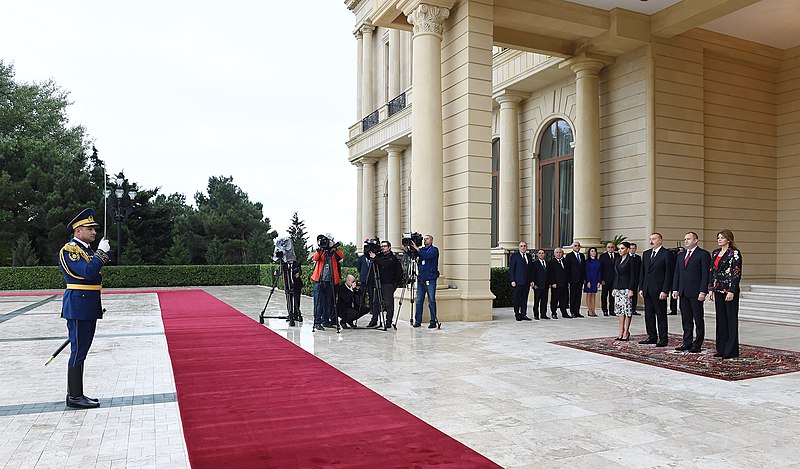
x: 75, y: 397
x: 87, y: 397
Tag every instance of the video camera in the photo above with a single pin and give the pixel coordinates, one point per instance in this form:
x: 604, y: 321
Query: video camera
x: 411, y: 236
x: 372, y: 245
x: 284, y: 250
x: 324, y: 243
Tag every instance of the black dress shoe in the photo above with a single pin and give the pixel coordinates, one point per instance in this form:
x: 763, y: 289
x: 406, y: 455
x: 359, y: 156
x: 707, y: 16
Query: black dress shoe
x: 524, y: 318
x: 717, y: 355
x: 536, y: 317
x: 612, y: 313
x: 672, y: 314
x: 662, y: 344
x: 682, y: 348
x: 518, y: 317
x: 544, y: 316
x: 432, y: 325
x: 417, y: 324
x: 81, y: 403
x: 555, y: 316
x: 345, y: 326
x: 566, y: 315
x: 577, y: 315
x: 635, y: 313
x: 647, y: 342
x: 605, y: 313
x: 318, y: 327
x: 694, y: 350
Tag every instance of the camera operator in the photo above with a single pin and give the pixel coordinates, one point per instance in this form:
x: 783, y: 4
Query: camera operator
x: 349, y: 302
x: 427, y: 257
x: 390, y: 273
x: 326, y: 276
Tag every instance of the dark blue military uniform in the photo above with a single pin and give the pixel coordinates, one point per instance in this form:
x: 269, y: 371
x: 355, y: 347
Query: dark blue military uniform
x: 81, y: 305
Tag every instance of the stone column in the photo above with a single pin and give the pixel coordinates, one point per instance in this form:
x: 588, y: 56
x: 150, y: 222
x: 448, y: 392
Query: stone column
x: 508, y: 199
x: 426, y: 114
x: 368, y: 199
x: 393, y: 228
x: 586, y: 213
x: 367, y: 71
x: 359, y: 205
x: 394, y: 63
x: 359, y: 71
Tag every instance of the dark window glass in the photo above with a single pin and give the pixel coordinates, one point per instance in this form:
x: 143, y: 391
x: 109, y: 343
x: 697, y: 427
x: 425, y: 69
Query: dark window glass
x: 495, y: 190
x: 556, y: 186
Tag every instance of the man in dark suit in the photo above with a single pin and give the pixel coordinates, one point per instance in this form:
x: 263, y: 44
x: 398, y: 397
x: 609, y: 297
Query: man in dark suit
x: 557, y: 279
x: 655, y: 281
x: 540, y: 286
x: 519, y: 273
x: 607, y: 278
x: 690, y: 285
x: 637, y: 267
x: 576, y: 274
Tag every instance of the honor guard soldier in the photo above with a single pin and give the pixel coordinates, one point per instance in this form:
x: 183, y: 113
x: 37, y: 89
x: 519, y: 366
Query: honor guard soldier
x: 81, y: 304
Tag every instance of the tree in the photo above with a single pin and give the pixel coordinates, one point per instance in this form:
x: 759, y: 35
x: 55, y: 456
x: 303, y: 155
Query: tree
x: 23, y: 254
x: 350, y: 252
x: 46, y: 176
x: 232, y: 222
x: 178, y: 253
x: 299, y: 236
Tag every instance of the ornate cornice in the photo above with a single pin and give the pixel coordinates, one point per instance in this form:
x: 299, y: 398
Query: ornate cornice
x: 428, y: 19
x: 352, y: 4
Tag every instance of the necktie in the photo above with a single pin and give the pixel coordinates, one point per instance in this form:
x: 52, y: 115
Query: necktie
x: 561, y: 263
x: 686, y: 259
x: 543, y: 264
x: 578, y: 256
x: 525, y: 257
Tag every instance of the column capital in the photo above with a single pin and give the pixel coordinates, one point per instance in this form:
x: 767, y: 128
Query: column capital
x: 366, y: 28
x: 509, y: 96
x: 587, y: 63
x: 389, y: 149
x: 427, y: 18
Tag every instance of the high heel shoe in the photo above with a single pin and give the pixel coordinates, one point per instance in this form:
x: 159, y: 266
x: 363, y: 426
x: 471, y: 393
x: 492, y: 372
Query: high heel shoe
x: 626, y: 338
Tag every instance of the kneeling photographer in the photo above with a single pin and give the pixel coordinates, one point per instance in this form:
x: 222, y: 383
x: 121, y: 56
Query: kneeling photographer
x: 390, y: 272
x: 350, y: 302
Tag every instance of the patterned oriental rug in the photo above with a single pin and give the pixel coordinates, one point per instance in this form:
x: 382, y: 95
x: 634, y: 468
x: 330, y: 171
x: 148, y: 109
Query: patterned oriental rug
x: 753, y: 362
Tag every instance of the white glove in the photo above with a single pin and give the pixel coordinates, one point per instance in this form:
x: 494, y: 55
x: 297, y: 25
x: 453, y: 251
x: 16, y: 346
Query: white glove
x: 104, y: 245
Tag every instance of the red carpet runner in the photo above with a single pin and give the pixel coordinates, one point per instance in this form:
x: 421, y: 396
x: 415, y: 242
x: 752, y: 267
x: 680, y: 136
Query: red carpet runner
x: 250, y: 398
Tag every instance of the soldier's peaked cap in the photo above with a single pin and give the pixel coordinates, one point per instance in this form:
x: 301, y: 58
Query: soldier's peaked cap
x: 85, y: 218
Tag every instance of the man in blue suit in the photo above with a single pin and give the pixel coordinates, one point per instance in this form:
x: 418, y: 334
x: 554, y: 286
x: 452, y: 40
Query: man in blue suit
x: 519, y: 273
x: 690, y: 285
x: 81, y: 306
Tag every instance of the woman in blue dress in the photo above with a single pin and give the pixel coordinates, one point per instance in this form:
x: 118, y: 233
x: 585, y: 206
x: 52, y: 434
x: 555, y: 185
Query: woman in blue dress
x: 592, y: 279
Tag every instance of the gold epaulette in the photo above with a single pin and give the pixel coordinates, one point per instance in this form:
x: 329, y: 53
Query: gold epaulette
x: 74, y: 249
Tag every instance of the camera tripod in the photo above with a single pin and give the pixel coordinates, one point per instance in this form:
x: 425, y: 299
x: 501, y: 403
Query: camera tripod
x: 293, y: 314
x: 409, y: 284
x: 382, y: 325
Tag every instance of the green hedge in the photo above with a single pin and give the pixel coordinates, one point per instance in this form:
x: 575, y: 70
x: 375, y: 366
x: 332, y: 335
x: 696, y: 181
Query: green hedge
x: 139, y: 276
x: 501, y: 287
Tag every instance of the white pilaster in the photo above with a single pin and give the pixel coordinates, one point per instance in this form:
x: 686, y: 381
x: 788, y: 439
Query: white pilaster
x: 359, y: 205
x: 508, y: 229
x: 367, y: 71
x: 393, y: 228
x: 368, y: 199
x: 359, y: 73
x: 394, y: 63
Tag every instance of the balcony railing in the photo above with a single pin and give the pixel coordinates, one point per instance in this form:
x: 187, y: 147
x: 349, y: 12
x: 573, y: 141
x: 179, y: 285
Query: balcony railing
x: 370, y: 121
x: 397, y: 104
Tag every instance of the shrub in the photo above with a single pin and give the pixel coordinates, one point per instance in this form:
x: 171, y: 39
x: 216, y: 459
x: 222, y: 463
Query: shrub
x: 501, y: 287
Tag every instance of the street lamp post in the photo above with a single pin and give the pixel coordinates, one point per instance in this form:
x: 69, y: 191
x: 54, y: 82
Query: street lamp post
x: 123, y: 207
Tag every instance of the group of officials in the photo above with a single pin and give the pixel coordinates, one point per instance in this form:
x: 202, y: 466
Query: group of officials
x: 657, y: 276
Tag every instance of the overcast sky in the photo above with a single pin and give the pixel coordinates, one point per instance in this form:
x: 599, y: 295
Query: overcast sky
x: 173, y: 92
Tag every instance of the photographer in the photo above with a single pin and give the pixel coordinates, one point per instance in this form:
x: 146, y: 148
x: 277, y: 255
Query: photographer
x: 365, y: 276
x: 389, y: 273
x: 428, y: 259
x: 349, y: 302
x: 326, y: 276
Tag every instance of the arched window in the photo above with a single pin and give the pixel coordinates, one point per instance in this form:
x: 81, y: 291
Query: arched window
x: 555, y: 185
x: 495, y: 189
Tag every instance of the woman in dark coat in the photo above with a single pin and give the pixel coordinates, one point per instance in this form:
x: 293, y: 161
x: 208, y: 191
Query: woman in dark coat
x: 625, y: 282
x: 592, y: 280
x: 723, y: 284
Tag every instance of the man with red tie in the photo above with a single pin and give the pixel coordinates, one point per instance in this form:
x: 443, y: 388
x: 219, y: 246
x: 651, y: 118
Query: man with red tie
x: 689, y: 285
x: 519, y: 272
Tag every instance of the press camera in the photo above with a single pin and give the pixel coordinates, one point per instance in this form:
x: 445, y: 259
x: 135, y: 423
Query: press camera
x: 412, y: 236
x: 372, y: 245
x: 284, y: 250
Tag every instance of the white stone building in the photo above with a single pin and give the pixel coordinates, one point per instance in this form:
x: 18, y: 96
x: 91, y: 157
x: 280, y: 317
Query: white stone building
x: 486, y: 122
